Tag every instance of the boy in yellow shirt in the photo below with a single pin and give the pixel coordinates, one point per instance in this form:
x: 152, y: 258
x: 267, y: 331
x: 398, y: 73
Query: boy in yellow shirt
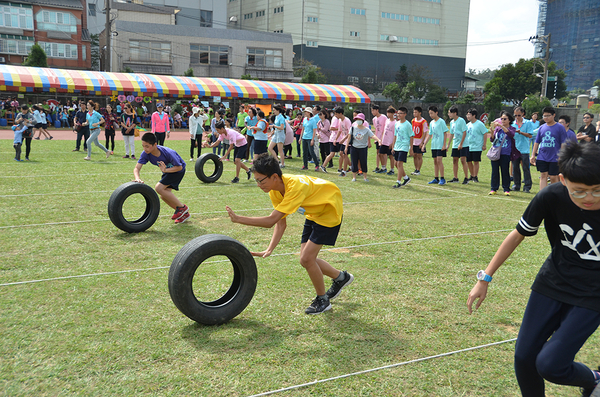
x: 320, y: 202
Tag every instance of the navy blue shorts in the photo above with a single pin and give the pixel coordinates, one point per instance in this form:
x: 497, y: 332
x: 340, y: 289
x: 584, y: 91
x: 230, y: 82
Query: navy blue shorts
x: 545, y: 166
x: 464, y: 152
x: 318, y: 234
x: 240, y: 152
x: 417, y: 149
x: 474, y: 156
x: 401, y: 156
x: 385, y: 149
x: 334, y: 147
x: 438, y: 153
x: 172, y: 180
x: 260, y: 147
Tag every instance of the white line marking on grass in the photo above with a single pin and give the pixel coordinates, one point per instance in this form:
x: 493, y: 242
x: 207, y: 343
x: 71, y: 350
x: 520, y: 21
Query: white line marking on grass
x: 282, y: 254
x: 384, y: 367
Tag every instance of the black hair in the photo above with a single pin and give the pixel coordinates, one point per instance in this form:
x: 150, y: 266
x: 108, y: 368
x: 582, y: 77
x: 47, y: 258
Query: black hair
x: 261, y: 114
x: 24, y: 106
x: 338, y: 109
x: 375, y: 107
x: 472, y: 112
x: 272, y: 118
x: 519, y: 109
x: 391, y: 109
x: 266, y: 165
x: 149, y: 137
x: 433, y: 109
x: 418, y: 109
x: 219, y: 124
x: 403, y: 109
x: 279, y: 108
x: 253, y: 111
x: 578, y: 162
x: 566, y: 118
x: 221, y: 112
x: 589, y: 114
x: 453, y: 109
x: 317, y: 107
x: 507, y: 114
x: 549, y: 109
x: 326, y: 114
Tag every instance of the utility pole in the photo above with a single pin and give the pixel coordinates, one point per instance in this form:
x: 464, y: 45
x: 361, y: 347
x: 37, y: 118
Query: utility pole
x: 108, y: 37
x: 546, y: 40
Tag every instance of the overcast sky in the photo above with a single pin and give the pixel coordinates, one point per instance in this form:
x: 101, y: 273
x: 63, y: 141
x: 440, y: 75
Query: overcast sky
x: 499, y: 32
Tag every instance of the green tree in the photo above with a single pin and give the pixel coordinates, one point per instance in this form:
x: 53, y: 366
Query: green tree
x: 597, y: 83
x: 127, y: 69
x: 493, y: 100
x: 533, y: 104
x: 189, y: 73
x: 399, y: 95
x: 37, y: 57
x: 435, y: 94
x: 402, y: 76
x: 313, y: 75
x: 95, y: 51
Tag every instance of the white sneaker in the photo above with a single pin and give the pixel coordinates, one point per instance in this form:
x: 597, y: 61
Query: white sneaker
x: 191, y: 160
x: 87, y: 158
x: 353, y: 179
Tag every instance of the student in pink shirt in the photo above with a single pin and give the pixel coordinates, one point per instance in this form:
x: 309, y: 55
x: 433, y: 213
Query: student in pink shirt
x: 237, y: 142
x: 324, y: 133
x: 386, y: 140
x: 160, y: 124
x: 379, y: 125
x: 340, y: 125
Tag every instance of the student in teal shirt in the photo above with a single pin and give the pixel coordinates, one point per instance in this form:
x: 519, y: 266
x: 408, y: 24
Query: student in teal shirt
x: 402, y: 143
x: 94, y: 120
x: 476, y: 133
x: 460, y: 145
x: 437, y: 136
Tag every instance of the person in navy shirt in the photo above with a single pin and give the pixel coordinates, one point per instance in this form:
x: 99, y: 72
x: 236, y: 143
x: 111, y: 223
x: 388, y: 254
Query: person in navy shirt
x: 173, y: 169
x: 548, y: 141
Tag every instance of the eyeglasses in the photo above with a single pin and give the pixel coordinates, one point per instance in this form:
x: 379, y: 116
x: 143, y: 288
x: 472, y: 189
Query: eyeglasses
x: 586, y: 117
x: 583, y: 193
x: 260, y: 181
x: 504, y: 118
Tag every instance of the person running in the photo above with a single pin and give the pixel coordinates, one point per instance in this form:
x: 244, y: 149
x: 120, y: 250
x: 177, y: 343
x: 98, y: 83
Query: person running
x: 460, y: 145
x: 82, y: 131
x: 173, y: 170
x: 437, y: 133
x: 278, y: 137
x: 477, y: 134
x: 236, y: 140
x: 548, y: 141
x: 320, y: 201
x: 260, y: 134
x: 421, y: 130
x: 94, y: 120
x: 563, y: 310
x: 403, y: 141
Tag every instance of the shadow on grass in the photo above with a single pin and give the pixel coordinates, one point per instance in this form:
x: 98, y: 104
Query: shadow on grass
x: 180, y: 234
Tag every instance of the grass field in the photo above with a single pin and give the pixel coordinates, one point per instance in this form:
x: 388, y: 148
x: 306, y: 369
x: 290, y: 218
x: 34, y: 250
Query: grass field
x: 115, y: 331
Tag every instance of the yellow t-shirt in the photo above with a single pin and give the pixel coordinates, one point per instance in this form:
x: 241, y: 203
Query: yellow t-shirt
x: 319, y: 200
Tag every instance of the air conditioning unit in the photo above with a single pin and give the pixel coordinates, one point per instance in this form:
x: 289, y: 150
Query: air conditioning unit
x: 2, y: 60
x: 393, y: 39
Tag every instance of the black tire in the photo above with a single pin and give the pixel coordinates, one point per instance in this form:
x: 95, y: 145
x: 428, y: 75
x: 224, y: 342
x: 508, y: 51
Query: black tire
x: 187, y: 262
x: 117, y: 199
x: 201, y: 162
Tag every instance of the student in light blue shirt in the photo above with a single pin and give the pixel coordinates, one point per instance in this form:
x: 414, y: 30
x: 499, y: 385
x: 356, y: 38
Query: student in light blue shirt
x: 401, y: 145
x: 476, y: 133
x: 524, y: 132
x: 460, y: 145
x: 309, y: 125
x: 437, y: 136
x: 94, y: 120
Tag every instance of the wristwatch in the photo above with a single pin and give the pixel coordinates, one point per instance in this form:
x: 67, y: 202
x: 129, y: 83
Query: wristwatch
x: 481, y: 276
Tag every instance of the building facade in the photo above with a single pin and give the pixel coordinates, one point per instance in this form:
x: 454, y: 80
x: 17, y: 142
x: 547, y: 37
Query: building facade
x: 574, y: 26
x: 58, y: 26
x: 365, y: 42
x: 210, y: 52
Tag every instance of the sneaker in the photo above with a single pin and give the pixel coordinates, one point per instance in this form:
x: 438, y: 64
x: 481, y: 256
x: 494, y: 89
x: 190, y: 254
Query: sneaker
x: 405, y: 181
x: 470, y: 179
x: 183, y: 218
x: 16, y: 159
x: 87, y: 158
x: 434, y: 181
x: 515, y: 189
x: 51, y: 137
x: 391, y: 172
x: 317, y: 168
x: 475, y: 179
x: 311, y: 162
x: 26, y: 158
x: 507, y: 193
x: 125, y: 157
x: 75, y: 150
x: 339, y: 170
x: 416, y: 172
x: 282, y: 166
x: 465, y: 181
x: 191, y: 160
x: 318, y: 306
x: 442, y: 181
x: 235, y: 180
x: 492, y: 193
x: 38, y: 138
x: 593, y: 391
x: 353, y: 179
x: 324, y: 169
x: 249, y: 173
x: 336, y: 287
x: 108, y: 153
x: 396, y: 185
x: 376, y: 169
x: 244, y: 160
x: 180, y: 211
x: 366, y: 180
x: 453, y: 180
x: 360, y: 172
x: 343, y: 173
x: 133, y: 157
x: 304, y: 168
x: 526, y: 190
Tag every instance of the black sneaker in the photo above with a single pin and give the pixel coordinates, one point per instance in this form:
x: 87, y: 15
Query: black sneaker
x: 318, y: 306
x: 396, y: 185
x: 405, y: 181
x: 465, y: 181
x: 336, y: 286
x: 235, y: 180
x: 475, y: 179
x: 249, y: 173
x: 376, y: 169
x: 324, y: 169
x: 515, y: 189
x: 453, y: 180
x: 391, y: 172
x: 590, y: 392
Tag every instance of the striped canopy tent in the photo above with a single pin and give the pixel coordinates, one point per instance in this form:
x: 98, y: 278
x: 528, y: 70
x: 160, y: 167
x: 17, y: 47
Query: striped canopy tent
x: 30, y: 79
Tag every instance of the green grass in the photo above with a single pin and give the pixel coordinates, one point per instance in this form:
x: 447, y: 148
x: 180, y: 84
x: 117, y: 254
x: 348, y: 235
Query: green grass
x: 120, y: 334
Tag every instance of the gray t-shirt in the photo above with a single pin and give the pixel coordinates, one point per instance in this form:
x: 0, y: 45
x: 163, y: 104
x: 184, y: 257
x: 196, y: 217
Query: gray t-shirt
x: 360, y: 137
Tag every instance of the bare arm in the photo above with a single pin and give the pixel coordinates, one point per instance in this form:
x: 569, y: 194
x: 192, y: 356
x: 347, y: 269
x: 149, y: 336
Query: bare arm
x: 260, y: 221
x: 136, y: 173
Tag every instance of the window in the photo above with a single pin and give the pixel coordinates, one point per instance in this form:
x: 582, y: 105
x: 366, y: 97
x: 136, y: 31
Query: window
x: 398, y: 39
x: 278, y: 31
x: 358, y: 11
x: 353, y: 79
x: 278, y: 10
x: 57, y: 21
x: 312, y: 19
x: 262, y: 57
x: 152, y: 51
x: 83, y: 53
x: 59, y: 50
x: 312, y: 44
x: 354, y: 34
x: 16, y: 17
x: 92, y: 9
x: 209, y: 55
x: 260, y: 13
x: 397, y: 17
x: 433, y: 21
x: 433, y: 1
x: 206, y: 19
x: 425, y: 41
x: 368, y: 80
x: 248, y: 16
x: 18, y: 47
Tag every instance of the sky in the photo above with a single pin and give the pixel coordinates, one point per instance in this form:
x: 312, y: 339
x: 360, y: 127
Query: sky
x: 499, y: 32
